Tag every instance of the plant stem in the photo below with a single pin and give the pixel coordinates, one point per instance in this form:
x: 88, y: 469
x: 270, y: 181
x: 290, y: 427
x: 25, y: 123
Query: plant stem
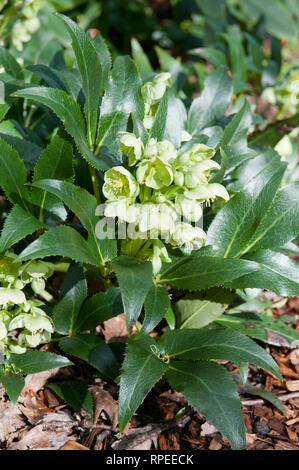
x: 94, y: 180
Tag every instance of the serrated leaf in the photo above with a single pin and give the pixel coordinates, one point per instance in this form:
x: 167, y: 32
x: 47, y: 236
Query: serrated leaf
x: 60, y: 167
x: 262, y: 327
x: 265, y: 394
x: 13, y: 176
x: 10, y: 64
x: 135, y: 279
x: 104, y: 58
x: 199, y: 309
x: 213, y: 102
x: 13, y: 385
x: 123, y: 93
x: 158, y: 128
x: 236, y: 223
x: 139, y: 56
x: 238, y: 61
x: 156, y: 304
x: 61, y: 241
x: 279, y: 274
x: 203, y: 344
x: 91, y: 72
x: 17, y: 226
x: 201, y: 272
x: 210, y: 390
x: 99, y: 308
x: 234, y: 139
x: 32, y: 362
x: 70, y: 114
x: 109, y: 127
x: 73, y: 294
x: 280, y: 223
x: 84, y: 205
x: 141, y: 370
x: 48, y: 74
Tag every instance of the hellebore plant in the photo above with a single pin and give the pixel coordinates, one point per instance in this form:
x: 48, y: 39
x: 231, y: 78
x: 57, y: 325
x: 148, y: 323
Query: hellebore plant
x: 101, y: 143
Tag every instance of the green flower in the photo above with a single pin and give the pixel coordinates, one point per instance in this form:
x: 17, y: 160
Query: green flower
x: 123, y: 209
x: 33, y: 322
x: 131, y: 146
x: 120, y: 184
x: 207, y: 192
x: 158, y: 217
x: 154, y: 90
x: 188, y: 236
x: 154, y: 173
x: 199, y: 173
x: 158, y: 256
x: 189, y: 208
x: 12, y: 296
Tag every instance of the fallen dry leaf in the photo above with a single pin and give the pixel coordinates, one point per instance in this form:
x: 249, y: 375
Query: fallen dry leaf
x: 292, y: 385
x: 11, y: 420
x: 37, y: 381
x: 207, y: 429
x: 104, y: 401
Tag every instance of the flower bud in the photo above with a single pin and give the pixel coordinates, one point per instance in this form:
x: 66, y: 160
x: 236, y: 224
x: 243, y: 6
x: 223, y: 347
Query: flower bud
x: 131, y: 146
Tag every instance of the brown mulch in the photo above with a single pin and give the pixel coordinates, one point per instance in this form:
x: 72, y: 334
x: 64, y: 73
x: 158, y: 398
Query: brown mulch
x: 41, y: 420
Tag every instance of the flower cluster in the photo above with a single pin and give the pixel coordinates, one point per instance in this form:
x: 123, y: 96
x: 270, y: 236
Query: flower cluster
x: 161, y: 192
x: 18, y: 313
x: 27, y: 24
x: 285, y: 95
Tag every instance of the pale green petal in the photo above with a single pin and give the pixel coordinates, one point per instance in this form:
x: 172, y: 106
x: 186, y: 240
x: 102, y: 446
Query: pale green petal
x: 3, y: 330
x: 12, y: 296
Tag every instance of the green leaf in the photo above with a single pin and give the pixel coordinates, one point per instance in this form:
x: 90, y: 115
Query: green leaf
x: 70, y: 114
x: 265, y: 394
x: 210, y: 390
x: 59, y: 168
x: 199, y: 309
x: 203, y: 344
x: 280, y: 223
x: 234, y: 139
x: 158, y: 128
x: 213, y: 102
x: 278, y: 18
x: 135, y: 279
x: 32, y: 362
x: 211, y: 54
x: 123, y: 93
x: 91, y: 72
x: 17, y: 226
x: 104, y: 58
x: 238, y: 61
x: 11, y: 66
x: 13, y: 385
x: 109, y: 127
x: 73, y: 294
x: 175, y: 120
x: 13, y: 176
x: 141, y: 370
x: 279, y: 274
x: 139, y: 56
x: 200, y: 272
x: 48, y: 74
x: 262, y: 327
x: 99, y: 308
x: 95, y: 351
x: 60, y: 241
x: 238, y: 221
x: 156, y: 305
x: 84, y: 205
x: 75, y: 393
